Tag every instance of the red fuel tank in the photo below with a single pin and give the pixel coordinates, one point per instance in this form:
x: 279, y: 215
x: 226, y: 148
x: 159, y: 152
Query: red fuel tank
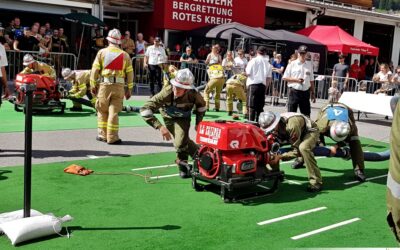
x: 227, y: 135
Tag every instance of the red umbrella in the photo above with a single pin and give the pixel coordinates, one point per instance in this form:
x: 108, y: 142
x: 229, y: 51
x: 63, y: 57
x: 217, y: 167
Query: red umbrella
x: 338, y: 40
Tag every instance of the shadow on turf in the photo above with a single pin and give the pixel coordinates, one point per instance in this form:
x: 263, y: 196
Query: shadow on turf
x: 68, y: 114
x: 291, y: 193
x: 2, y: 172
x: 41, y: 154
x: 148, y: 144
x: 66, y: 230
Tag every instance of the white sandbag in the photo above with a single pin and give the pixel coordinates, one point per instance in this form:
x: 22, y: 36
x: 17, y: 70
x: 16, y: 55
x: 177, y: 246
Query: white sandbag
x: 31, y: 228
x: 14, y: 215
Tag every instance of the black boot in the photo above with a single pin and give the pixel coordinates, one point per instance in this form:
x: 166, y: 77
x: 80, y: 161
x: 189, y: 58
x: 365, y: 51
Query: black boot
x: 297, y: 164
x: 359, y: 175
x: 230, y: 113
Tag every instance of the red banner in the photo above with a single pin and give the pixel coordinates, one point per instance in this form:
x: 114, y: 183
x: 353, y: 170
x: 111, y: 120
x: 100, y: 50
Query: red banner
x: 192, y: 14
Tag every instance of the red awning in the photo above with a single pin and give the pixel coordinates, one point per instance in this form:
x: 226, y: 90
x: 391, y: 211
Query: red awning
x: 338, y: 40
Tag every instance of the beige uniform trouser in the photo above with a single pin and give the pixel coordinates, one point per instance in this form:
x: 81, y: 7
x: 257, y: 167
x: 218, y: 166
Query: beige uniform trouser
x: 218, y: 85
x: 109, y: 104
x: 306, y: 148
x: 238, y: 91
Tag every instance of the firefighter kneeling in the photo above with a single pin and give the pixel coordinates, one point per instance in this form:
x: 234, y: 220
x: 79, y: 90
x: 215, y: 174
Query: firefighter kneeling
x: 176, y: 103
x: 35, y: 67
x: 80, y: 80
x: 115, y: 67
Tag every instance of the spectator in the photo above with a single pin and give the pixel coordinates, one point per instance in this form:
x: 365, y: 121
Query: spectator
x: 42, y: 31
x: 128, y: 44
x: 228, y: 63
x: 370, y: 70
x: 396, y: 79
x: 355, y: 70
x: 25, y: 42
x: 278, y: 66
x: 202, y: 52
x: 259, y: 74
x: 292, y: 58
x: 64, y: 39
x: 48, y: 28
x: 155, y: 56
x: 45, y: 46
x: 14, y: 26
x: 151, y: 40
x: 3, y: 75
x: 391, y: 66
x: 35, y: 32
x: 57, y: 43
x: 361, y: 75
x: 140, y: 45
x: 187, y: 58
x: 99, y: 42
x: 341, y: 74
x: 240, y: 61
x: 214, y: 57
x: 3, y: 39
x: 384, y: 77
x: 300, y: 79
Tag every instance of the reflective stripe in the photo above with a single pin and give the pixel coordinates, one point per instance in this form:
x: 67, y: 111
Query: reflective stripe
x: 113, y: 79
x: 82, y: 86
x: 129, y: 69
x: 112, y: 129
x: 354, y: 138
x: 202, y: 109
x: 146, y: 113
x: 393, y: 186
x: 93, y: 83
x: 96, y: 65
x: 130, y: 85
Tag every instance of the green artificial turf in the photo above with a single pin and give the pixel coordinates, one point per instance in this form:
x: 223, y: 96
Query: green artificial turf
x: 125, y: 212
x: 12, y: 121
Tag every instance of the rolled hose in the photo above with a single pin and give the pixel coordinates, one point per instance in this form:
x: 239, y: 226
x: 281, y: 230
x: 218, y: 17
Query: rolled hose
x: 325, y: 151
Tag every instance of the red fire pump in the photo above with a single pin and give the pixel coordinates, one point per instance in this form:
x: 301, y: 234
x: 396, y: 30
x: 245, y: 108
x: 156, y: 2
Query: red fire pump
x: 47, y: 95
x: 234, y: 156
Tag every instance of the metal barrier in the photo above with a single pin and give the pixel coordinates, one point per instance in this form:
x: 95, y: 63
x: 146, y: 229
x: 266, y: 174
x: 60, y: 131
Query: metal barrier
x: 142, y: 79
x: 57, y: 60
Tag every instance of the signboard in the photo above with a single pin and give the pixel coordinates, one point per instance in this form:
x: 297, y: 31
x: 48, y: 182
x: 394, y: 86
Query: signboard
x: 192, y: 14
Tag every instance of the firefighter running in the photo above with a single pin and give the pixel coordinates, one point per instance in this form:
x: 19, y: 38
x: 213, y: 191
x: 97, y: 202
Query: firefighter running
x: 176, y: 103
x: 80, y: 80
x: 115, y: 68
x: 337, y: 122
x: 35, y: 67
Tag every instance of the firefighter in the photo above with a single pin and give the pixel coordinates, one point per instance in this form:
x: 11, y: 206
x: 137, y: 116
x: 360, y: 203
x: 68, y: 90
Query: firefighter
x: 176, y: 102
x: 393, y: 179
x: 217, y: 80
x: 80, y: 80
x: 302, y: 134
x: 114, y: 66
x: 235, y: 86
x: 35, y: 67
x: 336, y: 121
x: 169, y: 74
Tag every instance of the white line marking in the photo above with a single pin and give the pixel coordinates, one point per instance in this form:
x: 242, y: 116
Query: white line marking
x: 163, y: 176
x: 325, y: 229
x: 162, y: 166
x: 92, y: 156
x: 368, y: 179
x: 291, y: 216
x: 261, y: 186
x: 294, y: 182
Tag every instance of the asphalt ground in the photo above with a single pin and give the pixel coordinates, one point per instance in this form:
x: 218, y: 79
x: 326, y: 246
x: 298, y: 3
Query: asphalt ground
x: 68, y: 145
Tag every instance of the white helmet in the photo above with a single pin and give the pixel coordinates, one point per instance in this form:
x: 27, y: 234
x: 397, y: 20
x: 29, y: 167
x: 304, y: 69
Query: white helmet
x: 183, y: 79
x: 268, y: 120
x: 339, y: 130
x: 114, y: 36
x: 28, y: 59
x: 66, y: 73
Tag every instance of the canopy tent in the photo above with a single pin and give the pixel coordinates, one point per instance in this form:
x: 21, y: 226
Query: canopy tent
x: 86, y: 20
x: 338, y: 40
x: 291, y: 41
